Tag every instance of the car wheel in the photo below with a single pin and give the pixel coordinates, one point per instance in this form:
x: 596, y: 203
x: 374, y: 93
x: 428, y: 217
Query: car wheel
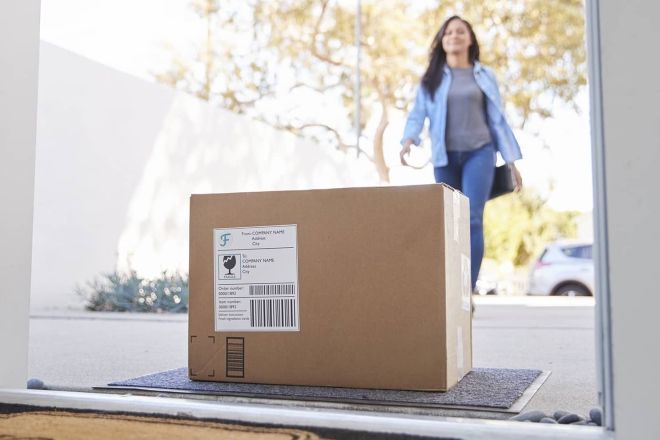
x: 572, y: 289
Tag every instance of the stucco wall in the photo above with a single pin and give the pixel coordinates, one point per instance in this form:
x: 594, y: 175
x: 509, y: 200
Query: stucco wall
x: 117, y: 158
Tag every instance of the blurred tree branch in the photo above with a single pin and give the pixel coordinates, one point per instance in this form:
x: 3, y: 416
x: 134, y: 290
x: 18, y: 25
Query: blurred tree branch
x: 256, y: 53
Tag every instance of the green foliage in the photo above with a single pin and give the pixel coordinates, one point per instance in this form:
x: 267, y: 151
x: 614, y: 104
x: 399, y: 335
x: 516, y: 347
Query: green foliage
x: 127, y: 292
x: 517, y: 226
x: 227, y: 68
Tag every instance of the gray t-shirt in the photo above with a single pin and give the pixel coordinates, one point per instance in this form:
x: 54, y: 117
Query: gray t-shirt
x: 467, y: 128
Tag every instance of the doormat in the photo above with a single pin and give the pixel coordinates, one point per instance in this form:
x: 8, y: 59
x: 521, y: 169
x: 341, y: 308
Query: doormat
x: 71, y: 425
x: 489, y: 389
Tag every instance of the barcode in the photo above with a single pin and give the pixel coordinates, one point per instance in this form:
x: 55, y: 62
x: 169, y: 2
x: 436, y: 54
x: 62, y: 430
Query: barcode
x: 272, y: 289
x: 235, y: 357
x: 277, y: 313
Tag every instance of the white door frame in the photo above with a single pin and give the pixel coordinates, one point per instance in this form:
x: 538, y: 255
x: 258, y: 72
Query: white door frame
x: 621, y: 230
x: 625, y: 121
x: 19, y: 66
x: 603, y: 336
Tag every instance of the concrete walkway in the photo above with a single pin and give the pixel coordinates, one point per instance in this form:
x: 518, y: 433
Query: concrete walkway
x: 79, y: 350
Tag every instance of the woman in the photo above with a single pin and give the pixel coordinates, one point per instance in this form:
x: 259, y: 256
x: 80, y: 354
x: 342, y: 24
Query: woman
x: 467, y: 124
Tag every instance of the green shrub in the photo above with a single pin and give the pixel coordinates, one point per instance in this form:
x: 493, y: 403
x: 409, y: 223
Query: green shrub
x: 518, y: 226
x: 127, y: 292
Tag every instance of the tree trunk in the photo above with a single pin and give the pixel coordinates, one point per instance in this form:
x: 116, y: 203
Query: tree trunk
x: 379, y: 156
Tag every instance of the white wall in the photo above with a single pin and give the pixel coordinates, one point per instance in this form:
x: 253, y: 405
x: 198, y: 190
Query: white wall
x: 117, y: 159
x: 629, y: 36
x: 19, y: 63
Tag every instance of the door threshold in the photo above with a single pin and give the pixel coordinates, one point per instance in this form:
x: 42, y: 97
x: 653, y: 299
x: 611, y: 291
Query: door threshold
x: 374, y: 422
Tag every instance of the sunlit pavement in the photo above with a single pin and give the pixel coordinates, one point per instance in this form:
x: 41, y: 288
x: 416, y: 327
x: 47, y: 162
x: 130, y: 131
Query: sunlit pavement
x: 535, y: 301
x: 78, y: 350
x: 548, y: 333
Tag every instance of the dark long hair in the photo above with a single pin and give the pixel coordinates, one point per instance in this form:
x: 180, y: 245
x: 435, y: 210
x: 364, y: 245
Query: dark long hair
x: 438, y: 57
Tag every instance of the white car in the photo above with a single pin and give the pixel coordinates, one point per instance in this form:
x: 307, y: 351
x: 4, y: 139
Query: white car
x: 563, y: 269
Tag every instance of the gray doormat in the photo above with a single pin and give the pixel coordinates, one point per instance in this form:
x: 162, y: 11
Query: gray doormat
x: 490, y: 389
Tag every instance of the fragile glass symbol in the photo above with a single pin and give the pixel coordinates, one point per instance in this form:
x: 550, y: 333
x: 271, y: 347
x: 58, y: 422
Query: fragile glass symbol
x: 229, y: 261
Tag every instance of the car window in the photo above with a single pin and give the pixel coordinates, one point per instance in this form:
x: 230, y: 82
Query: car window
x: 577, y: 251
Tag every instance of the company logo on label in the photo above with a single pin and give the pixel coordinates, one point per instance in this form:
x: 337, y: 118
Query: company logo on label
x: 224, y: 239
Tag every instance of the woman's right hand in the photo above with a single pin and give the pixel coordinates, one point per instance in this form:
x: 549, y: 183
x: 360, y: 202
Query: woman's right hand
x: 405, y: 150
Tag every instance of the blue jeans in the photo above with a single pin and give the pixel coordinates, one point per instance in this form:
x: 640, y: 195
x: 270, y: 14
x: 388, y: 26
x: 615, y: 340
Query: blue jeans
x: 471, y: 172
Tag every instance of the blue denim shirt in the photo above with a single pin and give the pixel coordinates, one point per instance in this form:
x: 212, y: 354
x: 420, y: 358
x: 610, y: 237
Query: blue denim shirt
x: 436, y: 110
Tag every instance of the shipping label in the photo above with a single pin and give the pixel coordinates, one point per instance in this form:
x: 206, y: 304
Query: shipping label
x: 256, y: 278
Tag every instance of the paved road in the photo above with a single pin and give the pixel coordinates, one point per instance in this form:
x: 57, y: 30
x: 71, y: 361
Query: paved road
x: 81, y: 350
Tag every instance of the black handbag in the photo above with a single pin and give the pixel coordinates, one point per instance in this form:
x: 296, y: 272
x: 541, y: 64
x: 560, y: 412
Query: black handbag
x: 502, y: 181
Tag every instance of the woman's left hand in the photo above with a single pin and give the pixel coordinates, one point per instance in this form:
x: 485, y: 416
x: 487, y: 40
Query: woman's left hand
x: 517, y: 178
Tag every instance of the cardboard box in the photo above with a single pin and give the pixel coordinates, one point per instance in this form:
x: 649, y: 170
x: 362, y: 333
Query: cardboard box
x: 356, y: 287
